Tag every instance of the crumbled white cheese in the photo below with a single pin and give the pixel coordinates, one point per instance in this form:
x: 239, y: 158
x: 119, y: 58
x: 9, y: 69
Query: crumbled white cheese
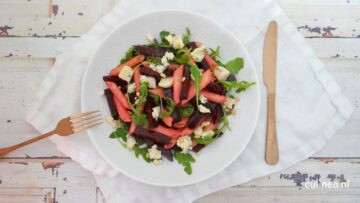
x: 150, y: 80
x: 166, y: 82
x: 131, y: 88
x: 154, y: 153
x: 229, y: 104
x: 130, y: 143
x: 175, y: 41
x: 110, y: 120
x: 156, y: 112
x: 150, y: 38
x: 162, y: 75
x: 205, y: 123
x: 198, y: 132
x: 221, y: 73
x: 184, y: 142
x: 126, y: 73
x: 167, y: 57
x: 203, y: 109
x: 158, y: 68
x: 207, y: 133
x: 198, y: 54
x: 157, y: 161
x: 183, y: 79
x: 101, y: 92
x: 202, y: 99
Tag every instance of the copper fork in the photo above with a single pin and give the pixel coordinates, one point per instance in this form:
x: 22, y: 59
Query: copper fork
x: 66, y: 126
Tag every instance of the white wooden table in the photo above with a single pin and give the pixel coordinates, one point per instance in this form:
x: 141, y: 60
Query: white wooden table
x: 31, y: 31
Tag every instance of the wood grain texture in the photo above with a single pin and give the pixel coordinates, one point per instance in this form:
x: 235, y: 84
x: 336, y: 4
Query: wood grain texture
x: 33, y: 32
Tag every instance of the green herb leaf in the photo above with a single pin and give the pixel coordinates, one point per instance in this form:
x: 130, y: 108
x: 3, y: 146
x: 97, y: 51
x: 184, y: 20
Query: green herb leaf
x: 215, y: 53
x: 186, y: 38
x: 186, y: 111
x: 141, y: 151
x: 163, y: 34
x: 170, y: 108
x: 154, y: 60
x: 235, y: 65
x: 120, y: 133
x: 239, y: 86
x: 143, y: 95
x: 182, y: 55
x: 139, y: 119
x: 196, y: 74
x: 225, y: 120
x: 185, y: 159
x: 128, y: 55
x: 204, y: 140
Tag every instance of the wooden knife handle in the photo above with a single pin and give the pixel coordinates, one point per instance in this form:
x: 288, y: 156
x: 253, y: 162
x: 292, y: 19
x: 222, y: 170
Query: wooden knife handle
x: 271, y: 147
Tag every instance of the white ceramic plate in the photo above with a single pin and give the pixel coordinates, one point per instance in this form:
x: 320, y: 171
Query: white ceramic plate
x: 213, y: 158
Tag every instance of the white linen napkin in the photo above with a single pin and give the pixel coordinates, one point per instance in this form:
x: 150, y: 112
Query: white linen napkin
x: 310, y: 105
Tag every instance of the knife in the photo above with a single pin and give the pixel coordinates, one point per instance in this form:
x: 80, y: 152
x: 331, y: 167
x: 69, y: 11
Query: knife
x: 269, y: 65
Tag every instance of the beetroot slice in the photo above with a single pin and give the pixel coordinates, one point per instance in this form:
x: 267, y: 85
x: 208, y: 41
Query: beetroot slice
x: 216, y: 88
x: 168, y: 72
x: 150, y: 72
x: 176, y: 115
x: 150, y: 51
x: 203, y: 64
x: 194, y: 119
x: 166, y: 153
x: 118, y: 81
x: 192, y: 45
x: 186, y: 83
x: 149, y: 105
x: 168, y: 92
x: 212, y: 107
x: 219, y: 113
x: 231, y: 78
x: 156, y: 137
x: 198, y: 147
x: 111, y: 104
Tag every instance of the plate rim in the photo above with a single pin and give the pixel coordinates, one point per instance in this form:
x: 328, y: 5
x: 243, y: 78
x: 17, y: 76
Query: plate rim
x: 246, y: 53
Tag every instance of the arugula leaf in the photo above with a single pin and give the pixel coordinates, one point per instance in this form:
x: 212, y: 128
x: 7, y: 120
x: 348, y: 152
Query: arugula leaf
x: 239, y: 86
x: 186, y: 38
x: 163, y: 34
x: 225, y: 120
x: 128, y: 55
x: 204, y: 140
x: 141, y: 151
x: 170, y: 108
x: 182, y: 55
x: 215, y: 53
x: 153, y: 59
x: 196, y: 74
x: 186, y: 111
x: 139, y: 119
x: 143, y: 95
x: 120, y: 133
x: 235, y: 65
x: 185, y: 159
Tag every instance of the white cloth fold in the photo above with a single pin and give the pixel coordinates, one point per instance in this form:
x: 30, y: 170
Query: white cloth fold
x: 310, y: 105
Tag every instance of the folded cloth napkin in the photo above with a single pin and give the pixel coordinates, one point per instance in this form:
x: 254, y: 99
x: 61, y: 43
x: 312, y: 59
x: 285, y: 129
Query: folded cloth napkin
x: 310, y: 105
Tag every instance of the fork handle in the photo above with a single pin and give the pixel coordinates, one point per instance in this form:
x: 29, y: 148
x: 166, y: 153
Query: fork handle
x: 7, y: 150
x: 271, y: 146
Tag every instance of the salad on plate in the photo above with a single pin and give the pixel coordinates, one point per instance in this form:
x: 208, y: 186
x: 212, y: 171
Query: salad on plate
x: 172, y: 97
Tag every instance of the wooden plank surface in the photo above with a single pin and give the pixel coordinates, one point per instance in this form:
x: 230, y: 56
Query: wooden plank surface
x: 33, y: 32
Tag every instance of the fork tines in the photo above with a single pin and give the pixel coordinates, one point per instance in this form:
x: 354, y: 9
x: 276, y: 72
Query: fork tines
x: 85, y: 121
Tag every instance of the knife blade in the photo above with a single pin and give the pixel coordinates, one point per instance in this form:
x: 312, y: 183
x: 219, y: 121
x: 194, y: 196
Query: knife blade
x: 269, y: 71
